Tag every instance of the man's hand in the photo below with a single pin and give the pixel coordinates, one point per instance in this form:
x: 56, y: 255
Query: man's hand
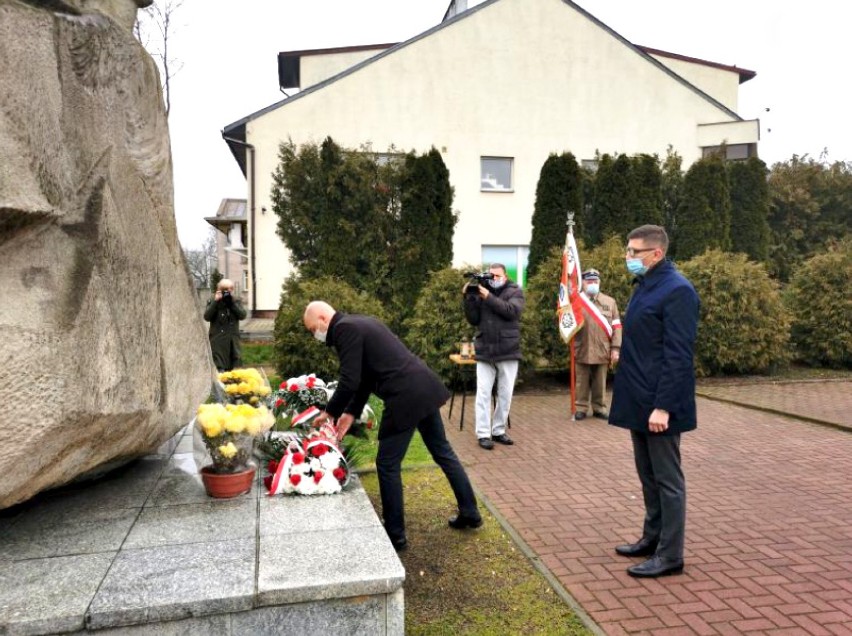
x: 343, y: 424
x: 218, y: 295
x: 322, y: 418
x: 614, y: 356
x: 484, y: 292
x: 659, y: 421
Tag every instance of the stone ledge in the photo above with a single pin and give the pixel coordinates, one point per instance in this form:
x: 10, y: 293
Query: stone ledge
x: 145, y: 551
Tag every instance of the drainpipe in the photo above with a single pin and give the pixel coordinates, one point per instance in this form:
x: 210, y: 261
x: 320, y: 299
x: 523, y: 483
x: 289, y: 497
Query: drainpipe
x: 250, y: 150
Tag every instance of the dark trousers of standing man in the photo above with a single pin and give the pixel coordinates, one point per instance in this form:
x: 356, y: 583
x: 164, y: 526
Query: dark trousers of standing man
x: 664, y: 489
x: 388, y: 466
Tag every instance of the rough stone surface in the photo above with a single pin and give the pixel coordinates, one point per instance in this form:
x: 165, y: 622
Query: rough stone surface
x: 103, y: 356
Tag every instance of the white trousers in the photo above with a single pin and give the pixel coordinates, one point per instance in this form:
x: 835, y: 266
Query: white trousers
x: 505, y: 373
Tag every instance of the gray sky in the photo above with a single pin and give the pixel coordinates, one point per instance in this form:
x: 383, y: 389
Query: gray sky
x: 228, y: 50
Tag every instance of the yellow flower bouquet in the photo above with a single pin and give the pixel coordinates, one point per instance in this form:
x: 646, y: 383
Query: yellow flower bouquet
x: 229, y: 431
x: 245, y: 386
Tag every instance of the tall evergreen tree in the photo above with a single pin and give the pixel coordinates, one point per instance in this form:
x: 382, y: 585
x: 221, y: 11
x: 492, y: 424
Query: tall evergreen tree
x: 559, y: 191
x: 647, y: 191
x: 672, y: 187
x: 704, y: 216
x: 612, y: 208
x: 749, y: 208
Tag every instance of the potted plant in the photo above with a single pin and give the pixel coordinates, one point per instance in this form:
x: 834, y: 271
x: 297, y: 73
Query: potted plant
x: 229, y: 431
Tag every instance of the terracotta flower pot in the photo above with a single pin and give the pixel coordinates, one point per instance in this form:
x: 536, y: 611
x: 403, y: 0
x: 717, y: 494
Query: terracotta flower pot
x: 227, y: 485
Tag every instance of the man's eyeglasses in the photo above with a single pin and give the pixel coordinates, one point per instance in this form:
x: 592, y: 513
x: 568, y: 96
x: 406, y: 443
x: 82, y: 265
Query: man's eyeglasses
x: 632, y: 251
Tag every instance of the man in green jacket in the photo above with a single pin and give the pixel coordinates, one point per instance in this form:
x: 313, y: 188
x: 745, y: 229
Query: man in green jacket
x: 224, y: 312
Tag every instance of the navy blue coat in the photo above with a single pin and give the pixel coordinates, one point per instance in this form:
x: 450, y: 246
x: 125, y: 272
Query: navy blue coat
x: 656, y: 368
x: 374, y: 360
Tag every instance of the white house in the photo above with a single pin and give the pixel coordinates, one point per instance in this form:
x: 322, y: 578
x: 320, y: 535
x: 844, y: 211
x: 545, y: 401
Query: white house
x: 495, y: 88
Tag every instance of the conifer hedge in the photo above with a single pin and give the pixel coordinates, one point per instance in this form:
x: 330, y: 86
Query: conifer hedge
x: 821, y: 304
x: 744, y: 326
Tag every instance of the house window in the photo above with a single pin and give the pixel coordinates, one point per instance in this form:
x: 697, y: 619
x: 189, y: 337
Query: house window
x: 245, y: 280
x: 733, y: 152
x: 496, y: 174
x: 514, y: 257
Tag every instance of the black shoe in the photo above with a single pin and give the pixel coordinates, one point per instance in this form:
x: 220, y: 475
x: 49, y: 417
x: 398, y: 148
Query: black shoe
x: 601, y: 415
x: 486, y: 443
x: 656, y: 566
x: 399, y: 544
x: 643, y: 547
x: 579, y: 415
x: 503, y: 439
x: 460, y: 522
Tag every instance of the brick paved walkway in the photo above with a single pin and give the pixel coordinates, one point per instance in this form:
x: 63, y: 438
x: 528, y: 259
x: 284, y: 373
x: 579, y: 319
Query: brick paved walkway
x: 769, y: 522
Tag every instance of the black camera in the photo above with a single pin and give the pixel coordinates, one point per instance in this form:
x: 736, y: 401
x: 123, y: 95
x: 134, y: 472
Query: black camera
x: 226, y: 296
x: 476, y: 280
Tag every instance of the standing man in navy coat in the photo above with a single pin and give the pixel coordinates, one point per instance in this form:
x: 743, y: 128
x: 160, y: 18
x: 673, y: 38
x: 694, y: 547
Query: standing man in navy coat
x: 654, y: 395
x: 374, y: 360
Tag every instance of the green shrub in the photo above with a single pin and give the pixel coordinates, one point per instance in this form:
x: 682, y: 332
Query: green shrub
x: 744, y: 326
x: 540, y: 339
x: 296, y: 350
x: 437, y: 323
x: 818, y: 297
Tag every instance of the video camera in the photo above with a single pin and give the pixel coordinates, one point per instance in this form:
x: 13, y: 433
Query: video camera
x: 472, y: 288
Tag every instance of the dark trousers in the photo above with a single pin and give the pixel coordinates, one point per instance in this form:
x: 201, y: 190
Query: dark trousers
x: 664, y: 489
x: 388, y: 466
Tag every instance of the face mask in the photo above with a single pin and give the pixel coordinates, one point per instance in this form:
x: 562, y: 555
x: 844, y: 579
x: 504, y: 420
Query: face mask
x: 635, y: 266
x: 496, y: 284
x: 320, y: 335
x: 592, y: 290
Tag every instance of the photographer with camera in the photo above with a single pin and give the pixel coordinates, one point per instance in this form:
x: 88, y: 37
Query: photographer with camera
x: 494, y: 304
x: 224, y: 313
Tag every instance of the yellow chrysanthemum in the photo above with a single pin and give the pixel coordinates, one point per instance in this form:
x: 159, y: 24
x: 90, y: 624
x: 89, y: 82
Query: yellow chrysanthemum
x: 235, y: 424
x: 228, y: 450
x: 212, y: 428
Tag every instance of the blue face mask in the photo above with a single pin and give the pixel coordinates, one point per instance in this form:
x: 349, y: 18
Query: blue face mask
x: 635, y: 266
x: 592, y: 289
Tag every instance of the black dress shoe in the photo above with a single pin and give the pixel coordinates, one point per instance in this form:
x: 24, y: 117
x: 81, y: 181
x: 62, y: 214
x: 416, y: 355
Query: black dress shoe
x: 644, y: 547
x: 460, y: 522
x: 579, y: 415
x: 656, y: 566
x: 503, y: 439
x: 601, y: 415
x: 399, y: 544
x: 486, y: 443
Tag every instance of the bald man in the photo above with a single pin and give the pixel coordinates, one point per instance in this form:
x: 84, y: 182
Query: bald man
x: 374, y: 360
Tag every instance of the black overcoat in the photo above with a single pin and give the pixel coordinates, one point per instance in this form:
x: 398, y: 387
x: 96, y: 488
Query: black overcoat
x: 374, y: 360
x: 656, y: 368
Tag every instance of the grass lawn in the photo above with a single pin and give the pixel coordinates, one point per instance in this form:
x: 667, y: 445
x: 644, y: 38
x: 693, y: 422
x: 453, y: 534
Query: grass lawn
x: 470, y: 582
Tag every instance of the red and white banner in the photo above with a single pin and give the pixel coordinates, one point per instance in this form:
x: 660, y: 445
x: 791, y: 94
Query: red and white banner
x: 305, y: 416
x: 568, y: 307
x: 593, y: 311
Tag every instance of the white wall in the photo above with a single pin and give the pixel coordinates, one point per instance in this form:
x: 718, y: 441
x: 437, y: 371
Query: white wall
x: 315, y: 68
x: 720, y: 84
x: 518, y: 78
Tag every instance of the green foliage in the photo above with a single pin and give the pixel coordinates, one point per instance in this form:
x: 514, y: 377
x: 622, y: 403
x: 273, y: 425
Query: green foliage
x: 810, y: 204
x: 437, y: 324
x: 296, y: 351
x: 646, y: 192
x: 744, y: 326
x: 257, y: 354
x: 704, y: 216
x: 819, y: 299
x: 749, y: 208
x: 540, y: 341
x: 612, y: 211
x: 559, y: 191
x: 421, y: 238
x: 672, y: 188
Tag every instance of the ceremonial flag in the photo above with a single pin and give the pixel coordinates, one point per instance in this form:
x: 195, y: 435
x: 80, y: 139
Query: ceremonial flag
x: 569, y: 304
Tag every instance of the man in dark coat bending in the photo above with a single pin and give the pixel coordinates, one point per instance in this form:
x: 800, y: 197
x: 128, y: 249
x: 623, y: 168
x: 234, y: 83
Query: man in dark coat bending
x: 374, y: 360
x: 654, y: 395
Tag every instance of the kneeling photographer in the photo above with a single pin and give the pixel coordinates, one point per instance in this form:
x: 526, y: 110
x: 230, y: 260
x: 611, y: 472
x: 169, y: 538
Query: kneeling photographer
x: 224, y: 312
x: 494, y: 304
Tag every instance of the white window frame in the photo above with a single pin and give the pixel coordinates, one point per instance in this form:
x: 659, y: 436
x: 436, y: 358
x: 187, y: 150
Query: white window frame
x: 484, y: 176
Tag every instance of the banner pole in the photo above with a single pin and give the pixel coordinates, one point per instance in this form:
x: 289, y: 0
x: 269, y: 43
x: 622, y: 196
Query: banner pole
x: 573, y: 382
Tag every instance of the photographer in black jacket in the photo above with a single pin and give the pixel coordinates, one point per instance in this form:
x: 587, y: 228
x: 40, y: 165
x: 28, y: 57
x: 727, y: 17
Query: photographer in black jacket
x: 224, y: 312
x: 495, y: 309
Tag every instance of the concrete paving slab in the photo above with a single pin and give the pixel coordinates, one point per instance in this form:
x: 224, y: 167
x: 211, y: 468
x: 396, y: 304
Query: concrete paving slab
x: 194, y: 523
x: 331, y: 569
x: 293, y: 514
x: 53, y: 529
x: 175, y: 582
x: 29, y: 606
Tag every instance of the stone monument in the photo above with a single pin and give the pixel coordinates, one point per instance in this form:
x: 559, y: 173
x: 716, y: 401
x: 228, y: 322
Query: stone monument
x: 104, y: 355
